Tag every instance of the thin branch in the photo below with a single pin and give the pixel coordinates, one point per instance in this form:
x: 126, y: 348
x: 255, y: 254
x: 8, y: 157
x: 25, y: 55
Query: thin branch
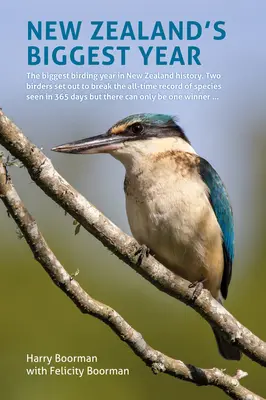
x: 156, y: 360
x: 55, y: 186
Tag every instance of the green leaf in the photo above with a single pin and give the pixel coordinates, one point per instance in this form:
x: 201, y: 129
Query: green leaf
x: 77, y: 229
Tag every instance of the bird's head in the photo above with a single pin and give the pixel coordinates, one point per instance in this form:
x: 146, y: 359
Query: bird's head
x: 132, y: 136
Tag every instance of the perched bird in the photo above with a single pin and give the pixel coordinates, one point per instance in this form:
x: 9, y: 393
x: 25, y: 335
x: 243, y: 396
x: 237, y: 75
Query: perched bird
x: 176, y: 202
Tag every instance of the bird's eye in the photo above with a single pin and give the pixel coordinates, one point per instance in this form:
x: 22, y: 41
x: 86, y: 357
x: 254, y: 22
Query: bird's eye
x: 137, y: 128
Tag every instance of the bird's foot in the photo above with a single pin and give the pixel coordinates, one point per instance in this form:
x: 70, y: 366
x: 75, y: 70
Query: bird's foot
x: 198, y: 285
x: 142, y: 252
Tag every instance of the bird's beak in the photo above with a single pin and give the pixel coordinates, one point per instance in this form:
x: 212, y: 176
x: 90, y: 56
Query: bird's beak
x: 97, y: 144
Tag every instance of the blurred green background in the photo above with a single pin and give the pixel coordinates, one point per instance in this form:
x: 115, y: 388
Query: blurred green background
x: 36, y: 317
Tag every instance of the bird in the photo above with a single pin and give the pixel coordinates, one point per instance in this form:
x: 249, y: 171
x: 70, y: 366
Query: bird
x: 176, y: 203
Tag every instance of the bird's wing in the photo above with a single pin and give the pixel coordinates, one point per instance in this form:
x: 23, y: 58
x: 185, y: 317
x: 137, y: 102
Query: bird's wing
x: 221, y: 206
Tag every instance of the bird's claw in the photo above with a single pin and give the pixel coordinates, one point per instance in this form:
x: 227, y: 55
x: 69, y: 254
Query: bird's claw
x: 198, y: 285
x: 142, y: 252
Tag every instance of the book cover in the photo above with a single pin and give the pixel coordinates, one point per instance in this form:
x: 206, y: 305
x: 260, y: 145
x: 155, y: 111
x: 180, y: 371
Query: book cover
x: 155, y: 112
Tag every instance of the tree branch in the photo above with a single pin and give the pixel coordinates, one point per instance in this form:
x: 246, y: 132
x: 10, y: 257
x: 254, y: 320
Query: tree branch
x: 156, y: 360
x: 55, y: 186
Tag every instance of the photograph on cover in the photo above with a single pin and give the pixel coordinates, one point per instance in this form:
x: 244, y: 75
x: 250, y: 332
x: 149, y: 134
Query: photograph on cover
x: 132, y: 183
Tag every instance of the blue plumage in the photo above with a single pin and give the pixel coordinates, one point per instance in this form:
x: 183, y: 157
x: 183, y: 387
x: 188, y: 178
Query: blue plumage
x: 223, y: 211
x: 157, y: 119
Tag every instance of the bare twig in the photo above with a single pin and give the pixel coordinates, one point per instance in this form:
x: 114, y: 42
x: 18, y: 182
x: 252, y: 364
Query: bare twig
x: 55, y: 186
x: 156, y: 360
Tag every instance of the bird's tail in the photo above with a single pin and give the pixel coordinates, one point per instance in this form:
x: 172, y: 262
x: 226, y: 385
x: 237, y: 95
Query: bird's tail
x: 227, y: 350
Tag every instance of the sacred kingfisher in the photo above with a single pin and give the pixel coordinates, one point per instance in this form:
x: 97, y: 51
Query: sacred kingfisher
x: 176, y: 202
